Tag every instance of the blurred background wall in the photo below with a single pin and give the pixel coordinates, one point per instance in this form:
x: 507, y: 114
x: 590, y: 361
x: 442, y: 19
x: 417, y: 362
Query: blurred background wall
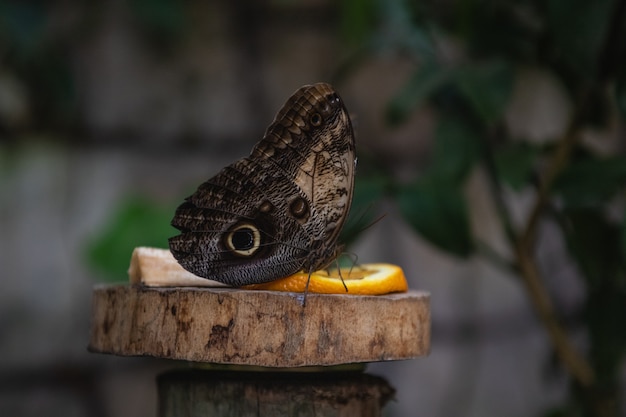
x: 111, y: 112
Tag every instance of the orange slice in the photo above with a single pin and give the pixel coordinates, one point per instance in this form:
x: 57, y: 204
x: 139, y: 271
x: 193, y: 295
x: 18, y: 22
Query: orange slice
x: 367, y: 279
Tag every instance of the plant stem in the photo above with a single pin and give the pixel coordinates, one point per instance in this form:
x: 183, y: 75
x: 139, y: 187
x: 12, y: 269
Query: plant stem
x: 525, y: 264
x: 576, y: 364
x: 578, y: 367
x: 573, y: 362
x: 495, y: 258
x: 524, y: 244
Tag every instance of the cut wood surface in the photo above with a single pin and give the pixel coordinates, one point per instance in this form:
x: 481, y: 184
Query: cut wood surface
x: 155, y: 267
x: 247, y: 327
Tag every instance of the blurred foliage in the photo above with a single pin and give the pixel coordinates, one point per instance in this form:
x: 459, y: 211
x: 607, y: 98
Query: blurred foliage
x: 590, y: 180
x: 582, y: 44
x: 162, y: 22
x: 35, y: 67
x: 515, y: 163
x: 38, y: 79
x: 136, y: 222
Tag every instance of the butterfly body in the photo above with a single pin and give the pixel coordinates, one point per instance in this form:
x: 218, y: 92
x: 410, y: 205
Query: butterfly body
x: 279, y: 210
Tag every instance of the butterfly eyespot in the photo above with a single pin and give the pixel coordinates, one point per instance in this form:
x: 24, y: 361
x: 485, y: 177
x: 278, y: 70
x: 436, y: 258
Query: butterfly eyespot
x: 316, y: 119
x: 244, y: 240
x: 266, y: 207
x: 299, y: 208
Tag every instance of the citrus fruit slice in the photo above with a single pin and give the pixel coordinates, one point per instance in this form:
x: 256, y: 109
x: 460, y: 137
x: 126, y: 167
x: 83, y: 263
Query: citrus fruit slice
x: 367, y: 279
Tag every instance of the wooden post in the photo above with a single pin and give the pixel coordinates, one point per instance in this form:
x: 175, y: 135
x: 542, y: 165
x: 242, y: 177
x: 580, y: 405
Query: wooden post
x: 237, y: 394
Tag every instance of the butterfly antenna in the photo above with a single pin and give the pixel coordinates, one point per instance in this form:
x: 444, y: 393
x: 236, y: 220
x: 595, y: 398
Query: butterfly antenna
x: 354, y: 258
x: 373, y: 222
x: 359, y: 223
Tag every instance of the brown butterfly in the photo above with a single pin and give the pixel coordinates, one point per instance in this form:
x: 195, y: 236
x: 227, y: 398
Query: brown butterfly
x: 280, y: 210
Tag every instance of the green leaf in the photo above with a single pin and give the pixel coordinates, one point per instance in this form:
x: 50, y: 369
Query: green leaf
x: 515, y: 164
x: 604, y: 314
x: 357, y: 19
x: 424, y: 82
x: 576, y: 55
x: 591, y: 181
x: 456, y: 149
x: 137, y: 222
x: 498, y: 28
x: 487, y: 88
x: 439, y: 214
x: 594, y: 243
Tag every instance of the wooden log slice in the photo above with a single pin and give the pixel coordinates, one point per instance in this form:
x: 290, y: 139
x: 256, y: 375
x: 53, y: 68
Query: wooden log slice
x: 262, y: 328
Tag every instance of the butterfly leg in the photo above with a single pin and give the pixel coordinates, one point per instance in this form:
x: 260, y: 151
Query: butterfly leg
x: 340, y: 274
x: 303, y: 296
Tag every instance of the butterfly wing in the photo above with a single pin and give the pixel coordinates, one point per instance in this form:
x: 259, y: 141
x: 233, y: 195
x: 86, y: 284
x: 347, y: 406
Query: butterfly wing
x: 315, y: 127
x: 281, y: 209
x: 233, y: 230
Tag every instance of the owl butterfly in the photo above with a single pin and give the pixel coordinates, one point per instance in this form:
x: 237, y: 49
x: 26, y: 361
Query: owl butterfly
x: 280, y: 210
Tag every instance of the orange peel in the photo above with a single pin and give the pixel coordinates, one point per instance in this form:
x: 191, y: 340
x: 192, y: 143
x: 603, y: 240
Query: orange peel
x: 366, y: 279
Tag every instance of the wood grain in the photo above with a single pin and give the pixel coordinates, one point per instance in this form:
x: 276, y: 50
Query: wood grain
x: 262, y: 328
